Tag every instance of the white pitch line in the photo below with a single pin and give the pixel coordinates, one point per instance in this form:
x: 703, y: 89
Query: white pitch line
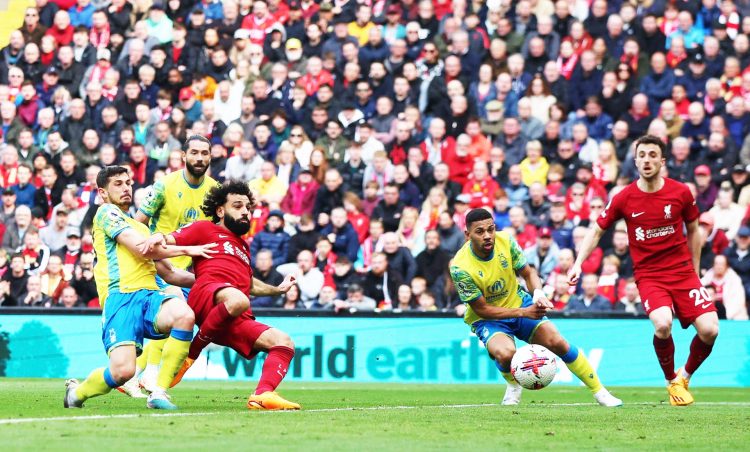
x: 329, y: 410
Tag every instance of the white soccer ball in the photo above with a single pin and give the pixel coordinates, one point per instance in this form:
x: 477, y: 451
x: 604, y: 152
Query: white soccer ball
x: 533, y: 366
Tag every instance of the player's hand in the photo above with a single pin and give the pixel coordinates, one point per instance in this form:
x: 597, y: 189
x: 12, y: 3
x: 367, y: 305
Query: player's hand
x: 152, y: 242
x: 287, y: 283
x: 574, y: 274
x: 204, y: 251
x: 540, y: 299
x: 535, y: 311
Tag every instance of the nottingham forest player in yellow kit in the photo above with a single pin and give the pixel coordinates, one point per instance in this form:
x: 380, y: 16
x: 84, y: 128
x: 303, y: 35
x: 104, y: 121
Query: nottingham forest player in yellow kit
x: 132, y: 305
x: 499, y: 310
x: 174, y: 201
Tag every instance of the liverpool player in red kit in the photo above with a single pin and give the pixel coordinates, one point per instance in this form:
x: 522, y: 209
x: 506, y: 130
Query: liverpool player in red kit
x: 223, y: 284
x: 666, y: 263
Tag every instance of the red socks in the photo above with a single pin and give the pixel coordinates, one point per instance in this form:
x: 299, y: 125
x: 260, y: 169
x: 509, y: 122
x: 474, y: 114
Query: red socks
x: 665, y: 354
x: 216, y: 320
x: 274, y: 368
x: 699, y: 351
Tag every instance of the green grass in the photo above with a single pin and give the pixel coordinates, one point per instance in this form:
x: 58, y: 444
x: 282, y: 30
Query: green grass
x: 213, y: 418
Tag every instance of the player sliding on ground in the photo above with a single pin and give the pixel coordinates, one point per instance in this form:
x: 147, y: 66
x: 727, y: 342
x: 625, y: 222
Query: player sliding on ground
x: 220, y: 295
x: 666, y: 263
x: 133, y: 306
x: 498, y: 310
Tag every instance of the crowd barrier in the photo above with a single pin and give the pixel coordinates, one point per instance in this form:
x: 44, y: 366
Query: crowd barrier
x: 434, y: 348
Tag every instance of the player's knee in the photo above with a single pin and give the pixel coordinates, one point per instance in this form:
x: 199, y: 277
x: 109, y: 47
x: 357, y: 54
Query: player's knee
x: 503, y: 356
x: 184, y: 318
x: 558, y: 345
x: 663, y: 328
x: 237, y: 305
x: 283, y: 340
x: 709, y: 332
x: 121, y: 373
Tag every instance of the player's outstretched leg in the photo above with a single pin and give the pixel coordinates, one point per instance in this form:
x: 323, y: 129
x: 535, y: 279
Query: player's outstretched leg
x: 175, y: 315
x: 677, y: 386
x: 548, y: 336
x: 280, y: 350
x: 103, y: 380
x: 502, y: 348
x: 230, y: 303
x: 707, y: 328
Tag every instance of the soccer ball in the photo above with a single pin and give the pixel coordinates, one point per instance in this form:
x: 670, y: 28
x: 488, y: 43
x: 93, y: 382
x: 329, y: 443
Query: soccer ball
x: 533, y: 366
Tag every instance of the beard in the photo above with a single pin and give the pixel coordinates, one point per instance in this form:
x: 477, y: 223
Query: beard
x: 237, y: 227
x: 195, y: 172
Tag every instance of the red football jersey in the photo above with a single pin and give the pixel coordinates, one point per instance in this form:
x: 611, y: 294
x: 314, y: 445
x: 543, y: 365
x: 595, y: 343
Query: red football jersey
x: 655, y: 227
x: 231, y: 264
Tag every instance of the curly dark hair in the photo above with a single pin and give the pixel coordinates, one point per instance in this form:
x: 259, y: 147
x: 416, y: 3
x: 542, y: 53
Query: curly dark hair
x: 217, y: 196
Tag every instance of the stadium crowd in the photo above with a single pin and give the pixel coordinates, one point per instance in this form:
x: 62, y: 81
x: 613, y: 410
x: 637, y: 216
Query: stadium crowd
x: 367, y: 130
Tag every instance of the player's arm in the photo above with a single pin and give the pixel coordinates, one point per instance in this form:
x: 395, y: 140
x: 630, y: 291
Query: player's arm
x: 174, y: 276
x: 261, y: 289
x: 134, y: 242
x: 694, y: 244
x: 142, y: 217
x: 490, y: 312
x: 534, y: 284
x: 590, y: 242
x: 152, y: 204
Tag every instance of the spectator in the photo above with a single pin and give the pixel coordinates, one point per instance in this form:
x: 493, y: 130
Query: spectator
x: 329, y: 196
x: 544, y: 255
x: 342, y: 235
x: 432, y: 265
x: 53, y: 279
x: 405, y: 299
x: 356, y: 300
x: 389, y: 210
x: 630, y: 302
x: 381, y: 283
x: 83, y: 280
x: 309, y: 278
x: 451, y: 237
x: 17, y: 229
x: 292, y: 299
x: 244, y: 164
x: 264, y: 271
x: 55, y: 234
x: 272, y: 238
x: 400, y: 259
x: 729, y: 293
x: 70, y: 299
x: 35, y: 253
x: 589, y: 300
x: 13, y: 283
x: 268, y: 188
x: 33, y: 295
x: 300, y: 197
x: 727, y: 214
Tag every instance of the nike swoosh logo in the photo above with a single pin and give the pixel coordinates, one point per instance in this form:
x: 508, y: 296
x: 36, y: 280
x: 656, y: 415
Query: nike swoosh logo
x: 222, y: 236
x: 705, y: 305
x: 634, y: 215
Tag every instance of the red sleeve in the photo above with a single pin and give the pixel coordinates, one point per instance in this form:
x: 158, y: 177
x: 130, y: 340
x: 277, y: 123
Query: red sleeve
x: 690, y: 210
x: 612, y: 213
x: 190, y: 235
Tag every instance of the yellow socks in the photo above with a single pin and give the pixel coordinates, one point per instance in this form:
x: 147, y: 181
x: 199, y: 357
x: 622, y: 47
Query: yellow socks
x: 581, y: 368
x: 155, y: 351
x: 176, y: 348
x: 99, y: 382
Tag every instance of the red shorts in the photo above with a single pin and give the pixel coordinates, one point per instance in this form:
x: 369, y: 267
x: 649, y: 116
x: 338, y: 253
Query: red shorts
x: 684, y: 294
x: 243, y: 331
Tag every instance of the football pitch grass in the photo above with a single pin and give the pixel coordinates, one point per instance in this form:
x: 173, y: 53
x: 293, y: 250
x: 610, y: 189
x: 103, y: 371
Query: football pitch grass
x: 341, y: 416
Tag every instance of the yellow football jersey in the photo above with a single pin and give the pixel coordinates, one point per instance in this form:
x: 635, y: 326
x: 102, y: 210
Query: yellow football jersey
x: 493, y: 278
x: 173, y: 203
x: 117, y: 269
